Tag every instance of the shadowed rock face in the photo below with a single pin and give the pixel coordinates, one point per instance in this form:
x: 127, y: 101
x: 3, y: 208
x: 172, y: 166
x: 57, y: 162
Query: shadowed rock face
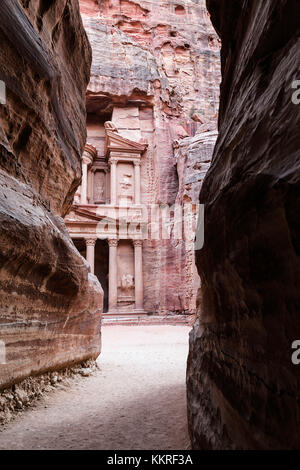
x: 49, y: 304
x: 243, y: 390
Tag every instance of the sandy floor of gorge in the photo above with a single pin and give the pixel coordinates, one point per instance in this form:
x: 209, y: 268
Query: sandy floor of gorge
x: 135, y: 401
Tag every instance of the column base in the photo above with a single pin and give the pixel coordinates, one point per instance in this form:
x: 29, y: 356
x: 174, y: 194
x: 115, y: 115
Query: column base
x: 111, y: 312
x: 139, y: 311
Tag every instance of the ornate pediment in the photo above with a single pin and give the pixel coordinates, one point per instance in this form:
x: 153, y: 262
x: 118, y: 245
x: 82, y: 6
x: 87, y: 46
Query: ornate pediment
x: 79, y: 214
x: 116, y: 143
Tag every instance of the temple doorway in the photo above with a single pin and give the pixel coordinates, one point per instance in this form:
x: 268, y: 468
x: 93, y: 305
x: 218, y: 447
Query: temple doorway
x: 80, y: 245
x: 101, y: 264
x: 102, y: 268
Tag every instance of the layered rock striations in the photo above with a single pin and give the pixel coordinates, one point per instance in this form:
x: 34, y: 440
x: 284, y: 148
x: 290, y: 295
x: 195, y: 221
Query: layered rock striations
x: 243, y: 389
x: 160, y: 60
x: 49, y: 303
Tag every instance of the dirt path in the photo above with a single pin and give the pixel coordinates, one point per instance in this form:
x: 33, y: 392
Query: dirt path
x: 135, y: 401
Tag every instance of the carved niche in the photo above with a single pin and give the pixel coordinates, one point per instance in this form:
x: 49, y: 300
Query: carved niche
x: 99, y: 187
x: 127, y: 284
x: 126, y: 291
x: 126, y: 183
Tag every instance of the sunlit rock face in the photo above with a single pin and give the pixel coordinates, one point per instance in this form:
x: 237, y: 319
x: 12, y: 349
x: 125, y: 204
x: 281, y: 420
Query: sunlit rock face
x: 243, y: 390
x: 193, y: 157
x: 49, y: 303
x: 162, y: 59
x: 180, y: 37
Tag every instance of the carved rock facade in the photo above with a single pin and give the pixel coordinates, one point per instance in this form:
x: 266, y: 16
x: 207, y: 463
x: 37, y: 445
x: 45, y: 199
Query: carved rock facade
x: 155, y: 76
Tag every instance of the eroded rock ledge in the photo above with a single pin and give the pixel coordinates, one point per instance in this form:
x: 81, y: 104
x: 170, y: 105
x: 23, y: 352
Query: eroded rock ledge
x: 50, y: 305
x: 243, y: 390
x: 26, y: 393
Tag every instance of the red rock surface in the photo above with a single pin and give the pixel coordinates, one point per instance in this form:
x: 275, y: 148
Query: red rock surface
x: 243, y: 390
x: 163, y: 60
x: 49, y: 304
x: 193, y: 157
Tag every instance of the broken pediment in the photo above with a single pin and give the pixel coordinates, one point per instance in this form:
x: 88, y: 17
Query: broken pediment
x: 79, y: 214
x: 116, y: 143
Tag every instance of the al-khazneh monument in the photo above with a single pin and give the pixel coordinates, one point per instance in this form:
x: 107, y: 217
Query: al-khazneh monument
x: 106, y: 220
x: 152, y: 104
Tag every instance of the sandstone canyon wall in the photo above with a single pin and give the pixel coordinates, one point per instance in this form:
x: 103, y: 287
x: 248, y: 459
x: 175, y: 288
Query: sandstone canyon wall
x: 243, y: 390
x: 159, y: 60
x: 49, y: 303
x: 193, y: 157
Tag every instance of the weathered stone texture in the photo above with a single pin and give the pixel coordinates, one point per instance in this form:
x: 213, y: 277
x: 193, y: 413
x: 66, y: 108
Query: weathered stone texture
x: 243, y: 390
x: 184, y: 44
x: 26, y: 393
x: 49, y: 304
x: 193, y: 158
x: 164, y: 61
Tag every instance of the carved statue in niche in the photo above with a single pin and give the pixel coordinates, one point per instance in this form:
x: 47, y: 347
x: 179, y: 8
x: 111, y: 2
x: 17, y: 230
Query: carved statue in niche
x: 99, y: 186
x: 127, y: 283
x: 77, y: 197
x: 126, y: 183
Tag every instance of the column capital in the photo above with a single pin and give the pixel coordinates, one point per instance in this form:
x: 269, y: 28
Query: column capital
x: 137, y: 162
x: 112, y: 241
x: 113, y: 161
x: 90, y: 241
x: 89, y: 154
x: 138, y: 242
x: 86, y: 160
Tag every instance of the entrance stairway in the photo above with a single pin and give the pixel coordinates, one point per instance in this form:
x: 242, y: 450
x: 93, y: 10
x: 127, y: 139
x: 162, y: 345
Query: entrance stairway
x: 132, y: 319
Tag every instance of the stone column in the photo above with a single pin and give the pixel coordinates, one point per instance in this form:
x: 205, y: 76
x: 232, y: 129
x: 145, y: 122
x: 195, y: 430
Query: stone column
x: 138, y: 275
x: 137, y: 182
x: 92, y: 177
x: 113, y: 182
x: 90, y: 252
x: 113, y: 275
x: 89, y: 154
x: 85, y: 163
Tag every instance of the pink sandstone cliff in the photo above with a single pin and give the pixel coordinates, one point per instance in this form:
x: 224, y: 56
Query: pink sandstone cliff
x: 159, y: 59
x: 49, y: 303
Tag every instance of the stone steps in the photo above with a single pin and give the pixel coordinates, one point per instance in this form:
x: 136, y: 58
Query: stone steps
x: 148, y: 320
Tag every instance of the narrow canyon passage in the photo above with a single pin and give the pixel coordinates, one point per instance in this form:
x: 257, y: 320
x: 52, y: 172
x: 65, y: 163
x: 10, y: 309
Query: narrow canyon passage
x: 137, y: 400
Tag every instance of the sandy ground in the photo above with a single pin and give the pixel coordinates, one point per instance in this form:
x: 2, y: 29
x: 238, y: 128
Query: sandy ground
x: 135, y: 401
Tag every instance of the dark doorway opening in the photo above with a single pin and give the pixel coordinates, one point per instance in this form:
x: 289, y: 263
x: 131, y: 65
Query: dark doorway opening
x: 80, y: 245
x: 101, y: 264
x: 102, y: 268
